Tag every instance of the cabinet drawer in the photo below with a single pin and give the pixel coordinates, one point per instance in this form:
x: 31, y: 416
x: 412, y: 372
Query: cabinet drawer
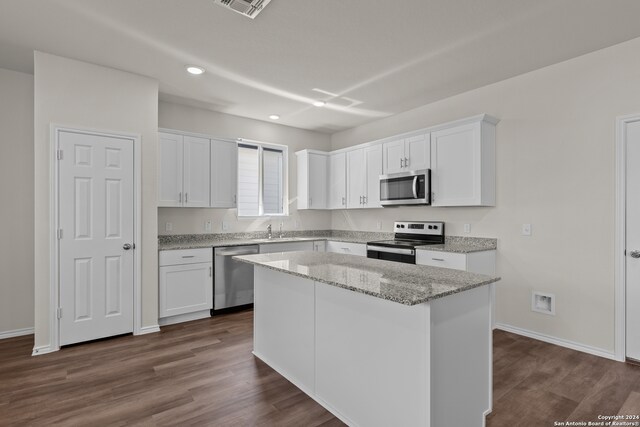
x: 185, y: 256
x: 359, y: 249
x: 441, y: 259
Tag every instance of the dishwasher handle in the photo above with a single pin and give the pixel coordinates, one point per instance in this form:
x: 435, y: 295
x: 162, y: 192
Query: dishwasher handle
x: 234, y: 253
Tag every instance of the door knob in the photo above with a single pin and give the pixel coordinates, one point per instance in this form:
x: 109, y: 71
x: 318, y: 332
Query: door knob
x: 126, y: 246
x: 635, y: 254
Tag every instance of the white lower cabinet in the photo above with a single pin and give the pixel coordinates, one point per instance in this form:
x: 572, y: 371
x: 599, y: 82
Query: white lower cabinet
x: 359, y: 249
x: 186, y: 282
x: 320, y: 246
x: 483, y: 262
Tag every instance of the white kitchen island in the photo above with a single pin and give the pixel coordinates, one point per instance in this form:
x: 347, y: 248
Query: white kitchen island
x: 377, y: 343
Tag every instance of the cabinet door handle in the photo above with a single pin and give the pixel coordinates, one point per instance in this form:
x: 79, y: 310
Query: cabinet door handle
x: 210, y: 272
x: 180, y: 197
x: 343, y: 202
x: 186, y: 198
x: 437, y: 259
x: 235, y: 199
x: 406, y: 162
x: 364, y: 200
x: 401, y: 165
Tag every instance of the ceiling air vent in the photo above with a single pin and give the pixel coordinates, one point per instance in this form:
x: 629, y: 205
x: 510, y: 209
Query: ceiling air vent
x: 250, y: 8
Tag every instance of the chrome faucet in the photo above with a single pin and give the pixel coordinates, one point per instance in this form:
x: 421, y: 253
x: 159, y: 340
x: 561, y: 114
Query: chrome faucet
x: 269, y: 231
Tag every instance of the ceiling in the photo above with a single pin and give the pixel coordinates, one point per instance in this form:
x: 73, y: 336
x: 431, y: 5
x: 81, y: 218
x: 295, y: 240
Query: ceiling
x: 367, y: 58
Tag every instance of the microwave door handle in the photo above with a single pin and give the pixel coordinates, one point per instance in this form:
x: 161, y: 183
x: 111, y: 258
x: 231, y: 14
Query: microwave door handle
x: 415, y: 187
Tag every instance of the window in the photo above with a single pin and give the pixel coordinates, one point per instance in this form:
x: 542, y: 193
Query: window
x: 262, y: 179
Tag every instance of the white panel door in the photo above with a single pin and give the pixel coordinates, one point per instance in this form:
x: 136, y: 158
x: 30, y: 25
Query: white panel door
x: 196, y: 171
x: 224, y: 174
x: 355, y: 179
x: 393, y: 156
x: 337, y: 181
x: 455, y: 166
x: 633, y: 240
x: 170, y: 170
x: 96, y: 199
x: 417, y: 152
x: 373, y: 161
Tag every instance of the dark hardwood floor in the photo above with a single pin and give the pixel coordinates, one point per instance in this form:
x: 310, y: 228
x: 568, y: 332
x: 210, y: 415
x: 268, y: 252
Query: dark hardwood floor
x: 203, y: 373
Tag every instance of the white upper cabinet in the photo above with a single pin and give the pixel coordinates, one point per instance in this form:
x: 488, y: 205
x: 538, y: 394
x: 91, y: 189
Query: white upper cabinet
x: 170, y: 170
x: 224, y: 174
x: 407, y: 154
x: 463, y: 164
x: 364, y: 167
x: 393, y: 156
x: 417, y: 152
x: 356, y: 176
x: 373, y: 162
x: 312, y: 182
x: 337, y: 193
x: 196, y: 172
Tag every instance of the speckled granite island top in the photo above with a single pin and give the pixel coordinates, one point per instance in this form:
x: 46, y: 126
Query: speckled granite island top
x: 406, y: 284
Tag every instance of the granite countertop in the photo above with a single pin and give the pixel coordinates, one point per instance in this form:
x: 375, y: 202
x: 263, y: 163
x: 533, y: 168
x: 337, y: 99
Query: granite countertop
x: 406, y: 284
x: 463, y: 245
x: 195, y: 241
x: 457, y: 244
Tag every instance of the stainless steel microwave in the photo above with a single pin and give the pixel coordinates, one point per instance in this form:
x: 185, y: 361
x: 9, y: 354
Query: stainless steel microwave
x: 406, y: 188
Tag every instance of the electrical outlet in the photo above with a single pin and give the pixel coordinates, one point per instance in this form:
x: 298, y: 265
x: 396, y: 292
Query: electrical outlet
x: 467, y: 228
x: 526, y: 229
x: 207, y: 225
x: 379, y: 225
x: 168, y: 226
x: 225, y: 225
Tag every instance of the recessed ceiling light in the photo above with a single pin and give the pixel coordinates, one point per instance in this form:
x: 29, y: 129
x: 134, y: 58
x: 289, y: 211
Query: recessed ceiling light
x: 319, y: 103
x: 192, y: 69
x: 274, y: 117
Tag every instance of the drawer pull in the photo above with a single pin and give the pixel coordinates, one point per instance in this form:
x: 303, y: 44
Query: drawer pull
x: 437, y: 259
x: 188, y: 256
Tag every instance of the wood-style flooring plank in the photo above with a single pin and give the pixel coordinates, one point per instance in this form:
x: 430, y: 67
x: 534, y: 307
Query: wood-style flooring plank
x: 203, y: 373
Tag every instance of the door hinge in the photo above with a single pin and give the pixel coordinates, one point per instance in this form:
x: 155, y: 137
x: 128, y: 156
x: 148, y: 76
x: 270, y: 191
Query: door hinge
x: 60, y: 234
x: 59, y: 313
x: 60, y: 154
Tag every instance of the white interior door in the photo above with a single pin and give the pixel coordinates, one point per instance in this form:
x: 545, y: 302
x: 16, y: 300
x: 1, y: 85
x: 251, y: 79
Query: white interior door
x: 96, y: 217
x: 633, y: 240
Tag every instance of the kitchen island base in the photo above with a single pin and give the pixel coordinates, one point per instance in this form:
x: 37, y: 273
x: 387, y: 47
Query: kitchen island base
x: 375, y: 362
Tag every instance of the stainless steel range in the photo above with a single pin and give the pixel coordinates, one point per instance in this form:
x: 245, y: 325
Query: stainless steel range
x: 408, y: 235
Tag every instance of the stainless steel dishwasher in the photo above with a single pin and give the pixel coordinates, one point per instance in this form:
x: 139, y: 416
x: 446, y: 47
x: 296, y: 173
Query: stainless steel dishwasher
x: 233, y: 281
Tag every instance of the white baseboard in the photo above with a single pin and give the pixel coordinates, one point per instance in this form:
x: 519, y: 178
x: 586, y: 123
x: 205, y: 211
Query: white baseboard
x: 172, y: 320
x: 149, y: 330
x: 43, y: 349
x: 557, y: 341
x: 16, y: 333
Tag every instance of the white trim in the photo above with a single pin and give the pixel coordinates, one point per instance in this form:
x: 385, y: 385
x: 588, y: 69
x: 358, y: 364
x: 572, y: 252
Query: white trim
x: 54, y: 323
x: 195, y: 134
x: 187, y: 317
x: 43, y: 349
x: 620, y: 236
x: 149, y: 330
x: 557, y: 341
x: 16, y: 333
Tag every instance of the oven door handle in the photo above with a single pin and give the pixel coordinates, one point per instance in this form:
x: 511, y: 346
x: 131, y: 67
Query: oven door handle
x: 415, y: 187
x: 391, y: 250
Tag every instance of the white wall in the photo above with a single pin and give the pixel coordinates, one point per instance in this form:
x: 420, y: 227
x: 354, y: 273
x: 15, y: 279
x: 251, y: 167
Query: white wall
x: 16, y: 208
x: 77, y: 94
x: 192, y: 220
x: 555, y: 170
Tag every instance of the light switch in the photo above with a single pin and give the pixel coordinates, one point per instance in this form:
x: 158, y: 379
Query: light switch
x: 207, y: 225
x: 526, y: 229
x: 168, y: 226
x: 225, y: 225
